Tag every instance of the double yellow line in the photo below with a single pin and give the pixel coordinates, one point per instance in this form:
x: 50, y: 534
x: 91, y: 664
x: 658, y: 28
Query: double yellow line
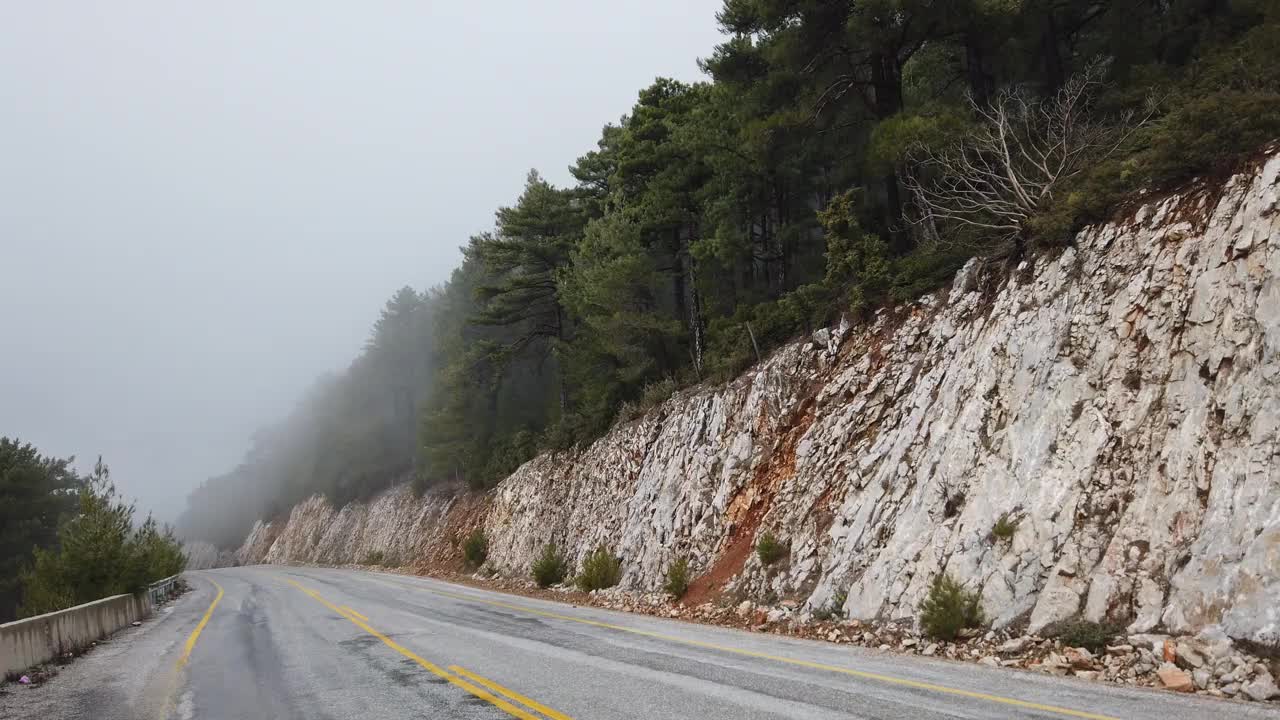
x: 473, y: 683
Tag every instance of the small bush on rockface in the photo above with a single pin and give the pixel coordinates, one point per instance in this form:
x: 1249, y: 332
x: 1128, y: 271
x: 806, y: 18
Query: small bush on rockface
x: 657, y: 392
x: 1005, y: 527
x: 600, y: 570
x: 769, y: 549
x: 677, y: 578
x: 476, y: 548
x: 834, y: 609
x: 550, y: 567
x: 374, y: 557
x: 949, y: 608
x: 1079, y: 632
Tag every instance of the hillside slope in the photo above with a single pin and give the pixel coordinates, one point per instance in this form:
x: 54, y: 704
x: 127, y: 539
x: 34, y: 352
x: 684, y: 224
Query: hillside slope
x: 1119, y: 402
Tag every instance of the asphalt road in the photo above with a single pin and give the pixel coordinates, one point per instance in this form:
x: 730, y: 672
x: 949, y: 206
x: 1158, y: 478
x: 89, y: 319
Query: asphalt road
x: 284, y: 642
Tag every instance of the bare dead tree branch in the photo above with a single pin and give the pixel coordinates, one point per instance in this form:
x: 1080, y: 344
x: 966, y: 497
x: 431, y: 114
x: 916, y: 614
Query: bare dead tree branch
x: 993, y: 181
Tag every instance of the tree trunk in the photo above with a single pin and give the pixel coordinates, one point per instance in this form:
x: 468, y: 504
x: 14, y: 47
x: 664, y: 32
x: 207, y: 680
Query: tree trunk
x: 692, y: 301
x: 560, y: 337
x: 980, y: 84
x: 1051, y: 54
x: 886, y: 78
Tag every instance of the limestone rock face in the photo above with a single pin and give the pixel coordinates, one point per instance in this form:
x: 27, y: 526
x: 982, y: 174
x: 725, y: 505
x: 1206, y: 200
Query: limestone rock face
x: 202, y: 555
x: 1118, y: 402
x: 395, y: 528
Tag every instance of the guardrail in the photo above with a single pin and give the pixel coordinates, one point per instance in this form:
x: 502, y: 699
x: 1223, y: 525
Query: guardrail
x: 163, y: 590
x: 29, y: 642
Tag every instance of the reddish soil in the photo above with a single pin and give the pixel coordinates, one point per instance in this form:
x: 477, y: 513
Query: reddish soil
x: 757, y: 497
x: 443, y: 553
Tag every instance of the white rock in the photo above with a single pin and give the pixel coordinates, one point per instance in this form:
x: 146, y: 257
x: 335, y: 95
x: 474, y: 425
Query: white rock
x: 1262, y: 688
x: 1190, y: 654
x: 1141, y: 466
x: 1149, y: 641
x: 1014, y: 645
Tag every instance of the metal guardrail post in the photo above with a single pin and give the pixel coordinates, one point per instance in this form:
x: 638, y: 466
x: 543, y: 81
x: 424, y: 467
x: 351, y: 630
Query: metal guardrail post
x: 162, y: 590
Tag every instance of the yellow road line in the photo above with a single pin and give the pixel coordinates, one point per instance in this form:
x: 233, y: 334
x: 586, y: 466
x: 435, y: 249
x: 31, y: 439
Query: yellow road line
x: 510, y: 694
x: 903, y: 682
x: 195, y: 634
x: 347, y: 609
x: 425, y: 664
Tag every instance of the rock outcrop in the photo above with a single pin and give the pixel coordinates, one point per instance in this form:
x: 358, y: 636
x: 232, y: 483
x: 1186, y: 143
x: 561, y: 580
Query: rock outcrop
x: 1114, y: 407
x: 202, y: 555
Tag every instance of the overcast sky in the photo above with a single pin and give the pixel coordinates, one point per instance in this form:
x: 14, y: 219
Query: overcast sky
x: 203, y: 205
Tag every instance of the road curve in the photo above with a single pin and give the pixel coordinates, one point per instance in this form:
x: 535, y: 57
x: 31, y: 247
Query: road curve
x: 286, y: 642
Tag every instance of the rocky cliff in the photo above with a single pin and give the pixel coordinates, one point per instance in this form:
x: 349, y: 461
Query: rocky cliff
x: 1117, y: 404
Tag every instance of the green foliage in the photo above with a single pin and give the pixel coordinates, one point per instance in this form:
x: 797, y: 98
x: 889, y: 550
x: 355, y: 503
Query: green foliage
x: 600, y: 569
x: 893, y: 139
x: 99, y: 553
x: 476, y: 548
x: 1006, y: 525
x: 1087, y: 634
x: 769, y: 549
x: 37, y: 494
x: 834, y: 609
x: 551, y: 567
x: 734, y: 340
x: 1227, y: 105
x: 677, y: 583
x: 380, y: 558
x: 949, y: 608
x: 858, y: 267
x: 656, y: 393
x: 716, y: 221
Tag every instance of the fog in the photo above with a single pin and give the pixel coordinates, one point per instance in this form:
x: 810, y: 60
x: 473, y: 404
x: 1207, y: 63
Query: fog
x: 203, y: 206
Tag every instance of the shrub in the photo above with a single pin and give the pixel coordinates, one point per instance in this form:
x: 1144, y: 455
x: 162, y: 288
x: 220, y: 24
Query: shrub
x: 1087, y: 634
x: 550, y: 567
x: 628, y: 411
x: 100, y: 552
x: 476, y: 548
x: 657, y: 392
x: 834, y: 607
x: 769, y: 549
x: 1004, y: 528
x: 677, y: 578
x: 600, y: 570
x: 374, y: 557
x: 949, y: 608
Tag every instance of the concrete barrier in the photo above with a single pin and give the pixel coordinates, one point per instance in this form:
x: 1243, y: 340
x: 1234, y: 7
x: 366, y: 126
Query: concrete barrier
x: 29, y: 642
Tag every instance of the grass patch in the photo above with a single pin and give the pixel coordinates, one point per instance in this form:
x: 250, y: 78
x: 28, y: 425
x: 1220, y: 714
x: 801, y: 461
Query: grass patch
x: 1006, y: 525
